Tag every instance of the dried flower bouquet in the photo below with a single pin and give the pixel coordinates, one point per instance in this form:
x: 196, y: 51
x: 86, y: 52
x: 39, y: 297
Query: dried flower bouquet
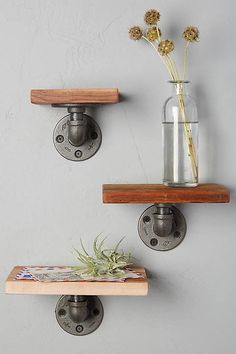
x: 164, y: 47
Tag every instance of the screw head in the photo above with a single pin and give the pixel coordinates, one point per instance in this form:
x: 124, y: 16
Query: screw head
x: 96, y: 312
x: 94, y: 135
x: 146, y: 219
x: 153, y: 242
x: 78, y: 153
x: 177, y: 234
x: 62, y: 312
x: 60, y: 139
x: 79, y: 328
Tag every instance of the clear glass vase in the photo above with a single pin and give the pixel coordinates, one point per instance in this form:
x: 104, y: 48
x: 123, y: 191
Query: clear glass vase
x: 180, y: 138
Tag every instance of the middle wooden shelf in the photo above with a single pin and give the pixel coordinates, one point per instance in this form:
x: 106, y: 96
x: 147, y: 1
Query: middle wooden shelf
x: 158, y: 193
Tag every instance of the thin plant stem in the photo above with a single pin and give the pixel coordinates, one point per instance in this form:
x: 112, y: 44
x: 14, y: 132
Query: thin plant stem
x: 185, y: 59
x: 173, y: 64
x: 165, y: 63
x: 171, y: 69
x: 188, y: 137
x: 168, y: 59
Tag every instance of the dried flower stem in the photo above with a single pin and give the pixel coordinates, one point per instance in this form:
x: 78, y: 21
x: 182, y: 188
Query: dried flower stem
x: 188, y: 137
x: 162, y: 58
x: 173, y: 67
x: 187, y: 133
x: 185, y: 58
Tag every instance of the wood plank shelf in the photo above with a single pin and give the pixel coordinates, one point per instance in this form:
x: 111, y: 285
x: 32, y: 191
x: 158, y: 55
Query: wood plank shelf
x: 131, y: 287
x: 75, y: 96
x: 158, y: 193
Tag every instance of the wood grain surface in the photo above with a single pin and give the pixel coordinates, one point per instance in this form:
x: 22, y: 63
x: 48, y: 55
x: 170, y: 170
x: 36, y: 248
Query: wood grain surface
x: 131, y: 287
x: 158, y: 193
x: 80, y: 96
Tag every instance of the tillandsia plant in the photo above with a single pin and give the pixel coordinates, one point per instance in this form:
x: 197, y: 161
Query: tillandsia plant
x: 104, y: 262
x: 164, y: 48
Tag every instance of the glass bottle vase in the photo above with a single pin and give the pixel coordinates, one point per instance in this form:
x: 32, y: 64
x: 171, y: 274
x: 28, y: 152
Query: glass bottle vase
x: 180, y: 138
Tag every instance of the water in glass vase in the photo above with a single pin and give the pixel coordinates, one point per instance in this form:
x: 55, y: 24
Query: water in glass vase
x: 180, y: 170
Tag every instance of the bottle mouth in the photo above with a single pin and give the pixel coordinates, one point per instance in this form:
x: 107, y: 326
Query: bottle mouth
x: 179, y: 82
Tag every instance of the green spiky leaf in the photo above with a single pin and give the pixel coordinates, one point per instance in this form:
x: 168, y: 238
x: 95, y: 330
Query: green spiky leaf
x: 104, y: 262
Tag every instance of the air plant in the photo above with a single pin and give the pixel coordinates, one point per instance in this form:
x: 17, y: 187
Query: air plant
x: 164, y: 48
x: 104, y: 262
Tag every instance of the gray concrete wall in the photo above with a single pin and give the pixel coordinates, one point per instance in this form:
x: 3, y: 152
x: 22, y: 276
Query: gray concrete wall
x: 48, y: 203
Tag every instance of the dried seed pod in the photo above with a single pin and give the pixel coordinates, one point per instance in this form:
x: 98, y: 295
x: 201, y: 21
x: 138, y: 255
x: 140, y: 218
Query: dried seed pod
x: 151, y: 17
x: 165, y: 47
x: 191, y: 34
x: 153, y: 33
x: 135, y: 33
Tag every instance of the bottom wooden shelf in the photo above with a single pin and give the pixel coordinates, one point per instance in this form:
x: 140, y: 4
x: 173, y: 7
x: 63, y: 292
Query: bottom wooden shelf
x: 131, y: 287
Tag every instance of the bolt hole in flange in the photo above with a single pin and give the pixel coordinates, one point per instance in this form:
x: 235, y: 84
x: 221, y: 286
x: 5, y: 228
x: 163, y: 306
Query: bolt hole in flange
x: 71, y: 152
x: 94, y: 135
x: 146, y: 219
x: 96, y: 312
x: 153, y: 242
x: 87, y: 326
x: 78, y: 154
x: 60, y: 139
x: 159, y: 242
x: 61, y: 313
x: 79, y: 329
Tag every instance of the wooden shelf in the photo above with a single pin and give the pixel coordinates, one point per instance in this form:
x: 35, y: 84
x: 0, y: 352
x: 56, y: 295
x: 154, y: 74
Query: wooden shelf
x: 132, y: 287
x: 158, y: 193
x: 73, y: 96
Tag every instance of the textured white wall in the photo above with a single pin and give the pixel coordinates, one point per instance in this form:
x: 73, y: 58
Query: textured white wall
x: 47, y: 203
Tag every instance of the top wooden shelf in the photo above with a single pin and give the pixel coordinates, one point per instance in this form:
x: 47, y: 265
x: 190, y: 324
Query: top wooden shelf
x: 73, y: 96
x: 158, y: 193
x: 130, y: 287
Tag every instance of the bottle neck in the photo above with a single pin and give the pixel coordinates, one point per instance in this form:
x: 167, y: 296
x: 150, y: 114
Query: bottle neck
x: 179, y: 87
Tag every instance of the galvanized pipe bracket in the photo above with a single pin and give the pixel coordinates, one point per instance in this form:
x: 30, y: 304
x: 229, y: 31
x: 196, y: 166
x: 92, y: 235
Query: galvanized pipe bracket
x: 79, y: 315
x: 162, y: 227
x: 77, y: 136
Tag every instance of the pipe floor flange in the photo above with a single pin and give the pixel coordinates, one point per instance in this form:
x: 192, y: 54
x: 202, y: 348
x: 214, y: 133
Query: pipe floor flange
x: 157, y: 242
x: 86, y: 323
x: 77, y: 153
